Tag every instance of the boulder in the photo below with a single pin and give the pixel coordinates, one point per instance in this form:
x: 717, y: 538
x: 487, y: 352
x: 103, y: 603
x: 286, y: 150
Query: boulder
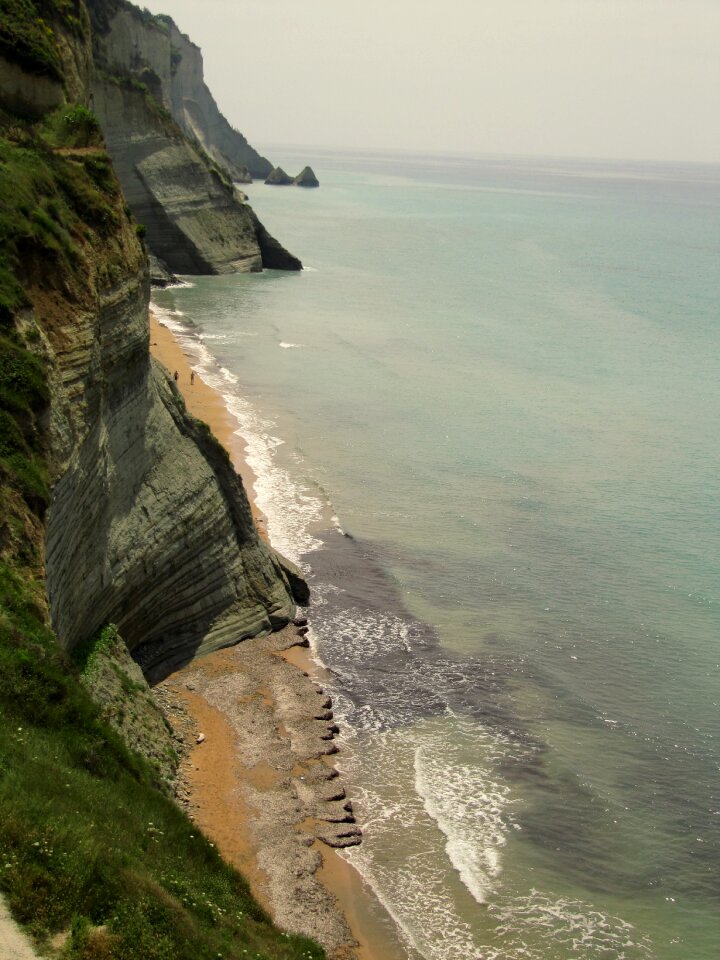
x: 306, y: 178
x: 278, y: 178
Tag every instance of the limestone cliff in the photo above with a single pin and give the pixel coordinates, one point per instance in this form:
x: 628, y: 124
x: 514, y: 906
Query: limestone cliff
x: 149, y: 526
x: 130, y: 40
x: 173, y: 151
x: 193, y: 220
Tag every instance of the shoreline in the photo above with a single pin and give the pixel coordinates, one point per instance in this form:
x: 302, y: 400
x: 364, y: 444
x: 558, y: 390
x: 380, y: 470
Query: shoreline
x: 271, y: 801
x: 205, y: 403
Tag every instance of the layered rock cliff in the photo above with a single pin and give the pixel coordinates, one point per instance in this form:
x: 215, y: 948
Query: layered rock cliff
x: 174, y: 153
x: 131, y: 40
x: 148, y: 525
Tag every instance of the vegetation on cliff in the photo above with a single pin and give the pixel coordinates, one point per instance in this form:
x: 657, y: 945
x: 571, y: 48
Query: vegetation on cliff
x: 88, y: 846
x: 27, y: 33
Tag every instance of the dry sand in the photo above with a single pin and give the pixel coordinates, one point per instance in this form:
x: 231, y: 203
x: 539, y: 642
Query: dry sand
x: 261, y: 783
x: 14, y: 942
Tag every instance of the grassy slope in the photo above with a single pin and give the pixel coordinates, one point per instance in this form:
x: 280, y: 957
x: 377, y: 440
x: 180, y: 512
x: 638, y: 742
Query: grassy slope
x: 88, y: 845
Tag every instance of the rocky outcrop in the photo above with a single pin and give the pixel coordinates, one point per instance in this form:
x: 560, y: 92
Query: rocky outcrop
x: 278, y: 178
x: 274, y: 255
x: 306, y: 178
x: 128, y: 40
x: 174, y: 175
x: 160, y: 276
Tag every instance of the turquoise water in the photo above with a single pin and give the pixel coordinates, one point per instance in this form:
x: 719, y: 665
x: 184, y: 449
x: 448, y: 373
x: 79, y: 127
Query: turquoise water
x: 502, y: 379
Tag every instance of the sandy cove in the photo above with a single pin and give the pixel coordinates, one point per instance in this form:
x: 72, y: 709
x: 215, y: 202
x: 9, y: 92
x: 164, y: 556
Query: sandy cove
x: 261, y: 784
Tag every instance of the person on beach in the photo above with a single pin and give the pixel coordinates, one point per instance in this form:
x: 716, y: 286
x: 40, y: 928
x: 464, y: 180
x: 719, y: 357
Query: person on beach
x: 176, y: 375
x: 192, y: 377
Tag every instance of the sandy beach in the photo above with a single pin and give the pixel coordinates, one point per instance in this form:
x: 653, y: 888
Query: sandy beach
x: 261, y: 783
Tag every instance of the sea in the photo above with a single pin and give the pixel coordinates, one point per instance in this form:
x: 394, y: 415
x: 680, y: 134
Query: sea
x: 485, y: 420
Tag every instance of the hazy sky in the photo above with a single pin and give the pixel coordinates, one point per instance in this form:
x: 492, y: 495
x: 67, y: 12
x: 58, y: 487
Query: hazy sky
x: 588, y: 78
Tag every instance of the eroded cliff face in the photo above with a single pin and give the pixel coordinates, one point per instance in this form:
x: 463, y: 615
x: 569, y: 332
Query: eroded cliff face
x: 128, y: 40
x: 149, y: 527
x: 175, y: 154
x: 147, y: 524
x: 194, y: 222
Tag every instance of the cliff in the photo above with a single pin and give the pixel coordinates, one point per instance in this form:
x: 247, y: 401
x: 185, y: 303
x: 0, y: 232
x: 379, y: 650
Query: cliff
x: 148, y: 526
x: 117, y: 506
x: 194, y: 222
x: 173, y: 151
x: 130, y: 40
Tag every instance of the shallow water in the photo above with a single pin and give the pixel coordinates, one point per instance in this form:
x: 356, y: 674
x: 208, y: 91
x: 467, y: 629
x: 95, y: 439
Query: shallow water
x: 502, y: 379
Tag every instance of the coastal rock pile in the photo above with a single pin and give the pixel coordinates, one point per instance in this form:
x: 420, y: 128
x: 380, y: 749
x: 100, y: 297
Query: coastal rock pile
x: 307, y: 178
x: 281, y: 793
x: 278, y: 178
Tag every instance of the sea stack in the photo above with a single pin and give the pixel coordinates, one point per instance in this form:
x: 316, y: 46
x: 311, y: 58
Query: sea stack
x: 278, y: 178
x: 307, y: 178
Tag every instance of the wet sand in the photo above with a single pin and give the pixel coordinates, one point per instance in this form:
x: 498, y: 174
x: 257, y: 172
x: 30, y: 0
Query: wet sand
x: 261, y: 784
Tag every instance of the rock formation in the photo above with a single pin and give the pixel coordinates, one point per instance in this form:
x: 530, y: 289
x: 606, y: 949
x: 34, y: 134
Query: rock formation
x: 129, y: 40
x: 306, y: 178
x: 278, y: 178
x: 195, y: 220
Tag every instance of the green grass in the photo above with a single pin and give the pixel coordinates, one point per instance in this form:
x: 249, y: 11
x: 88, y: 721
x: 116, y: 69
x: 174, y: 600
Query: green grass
x: 47, y: 200
x: 28, y: 33
x: 28, y: 40
x: 72, y: 126
x: 85, y: 840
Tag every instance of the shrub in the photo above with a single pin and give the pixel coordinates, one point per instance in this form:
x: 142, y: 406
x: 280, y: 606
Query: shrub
x: 80, y: 126
x: 29, y: 40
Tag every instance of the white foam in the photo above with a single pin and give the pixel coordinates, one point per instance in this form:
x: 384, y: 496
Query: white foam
x: 405, y: 871
x: 467, y: 801
x: 402, y: 861
x: 530, y: 926
x: 373, y: 632
x: 290, y: 507
x: 289, y: 346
